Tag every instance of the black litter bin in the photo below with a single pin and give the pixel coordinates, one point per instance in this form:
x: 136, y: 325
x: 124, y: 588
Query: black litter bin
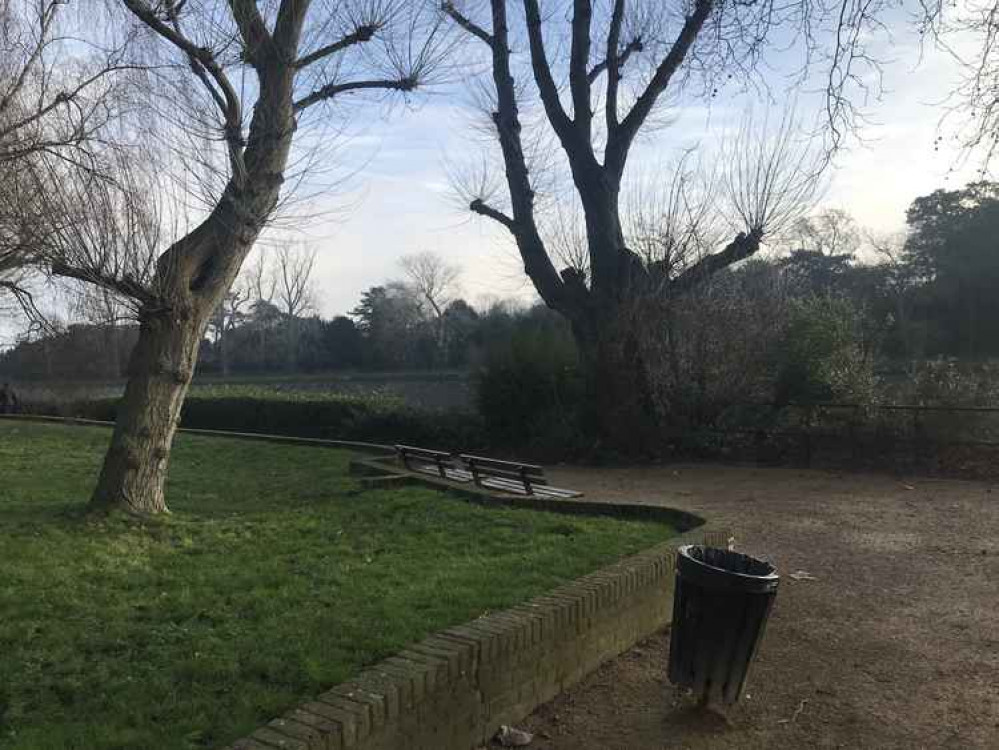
x: 720, y: 608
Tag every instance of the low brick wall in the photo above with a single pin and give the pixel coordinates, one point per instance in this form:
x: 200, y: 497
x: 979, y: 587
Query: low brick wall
x: 453, y: 690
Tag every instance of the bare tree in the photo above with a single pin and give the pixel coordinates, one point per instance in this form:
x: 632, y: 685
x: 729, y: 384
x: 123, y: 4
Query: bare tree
x: 231, y: 84
x: 56, y: 95
x: 56, y: 99
x: 261, y: 280
x: 830, y: 233
x: 672, y: 218
x: 974, y: 103
x: 578, y: 56
x: 293, y: 272
x: 717, y: 348
x: 227, y: 316
x: 435, y: 282
x: 263, y: 286
x: 295, y: 296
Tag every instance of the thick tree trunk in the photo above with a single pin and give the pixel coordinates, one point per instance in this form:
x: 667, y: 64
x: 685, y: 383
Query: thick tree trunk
x: 623, y: 414
x: 160, y: 371
x: 194, y: 274
x: 618, y: 412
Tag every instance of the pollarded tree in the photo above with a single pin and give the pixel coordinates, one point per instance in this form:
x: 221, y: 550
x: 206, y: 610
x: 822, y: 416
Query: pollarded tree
x: 244, y: 75
x: 601, y: 71
x: 579, y: 54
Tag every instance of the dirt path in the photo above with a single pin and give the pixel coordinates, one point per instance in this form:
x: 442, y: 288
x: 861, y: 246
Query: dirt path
x: 894, y: 645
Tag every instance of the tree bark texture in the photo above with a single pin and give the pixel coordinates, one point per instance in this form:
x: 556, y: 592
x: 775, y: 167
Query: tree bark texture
x: 160, y: 371
x: 194, y: 274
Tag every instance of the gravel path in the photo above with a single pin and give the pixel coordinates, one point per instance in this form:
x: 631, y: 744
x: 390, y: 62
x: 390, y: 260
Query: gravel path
x: 895, y: 644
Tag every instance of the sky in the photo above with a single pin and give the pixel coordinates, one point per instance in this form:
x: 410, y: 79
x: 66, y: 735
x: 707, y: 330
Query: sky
x: 401, y: 200
x: 398, y: 198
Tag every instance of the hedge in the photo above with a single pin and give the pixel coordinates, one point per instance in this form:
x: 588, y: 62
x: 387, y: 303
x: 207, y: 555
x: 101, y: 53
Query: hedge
x: 330, y: 418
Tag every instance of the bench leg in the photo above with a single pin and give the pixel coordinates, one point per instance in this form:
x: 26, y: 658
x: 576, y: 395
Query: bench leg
x: 527, y: 482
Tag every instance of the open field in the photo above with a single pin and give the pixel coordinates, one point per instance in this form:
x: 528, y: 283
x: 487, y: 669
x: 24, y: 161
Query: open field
x: 446, y: 390
x: 274, y: 578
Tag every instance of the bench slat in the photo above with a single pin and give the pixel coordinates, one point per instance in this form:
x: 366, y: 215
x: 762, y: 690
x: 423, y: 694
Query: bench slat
x: 557, y: 492
x: 541, y: 490
x: 511, y: 475
x: 494, y: 463
x: 456, y: 475
x: 504, y: 484
x: 506, y: 476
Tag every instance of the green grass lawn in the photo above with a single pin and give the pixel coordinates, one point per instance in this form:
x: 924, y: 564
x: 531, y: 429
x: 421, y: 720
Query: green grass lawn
x: 274, y: 579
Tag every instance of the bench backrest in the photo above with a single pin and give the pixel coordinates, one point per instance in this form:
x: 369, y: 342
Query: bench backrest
x: 441, y: 459
x: 409, y: 451
x: 505, y: 469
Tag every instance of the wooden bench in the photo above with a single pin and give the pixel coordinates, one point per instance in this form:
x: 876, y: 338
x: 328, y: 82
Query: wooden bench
x: 512, y: 476
x: 435, y: 463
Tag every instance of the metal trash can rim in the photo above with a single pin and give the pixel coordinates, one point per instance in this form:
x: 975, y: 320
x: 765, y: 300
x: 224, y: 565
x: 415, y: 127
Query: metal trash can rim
x: 714, y: 576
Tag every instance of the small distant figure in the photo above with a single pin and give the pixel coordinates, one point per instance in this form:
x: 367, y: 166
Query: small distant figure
x: 8, y: 400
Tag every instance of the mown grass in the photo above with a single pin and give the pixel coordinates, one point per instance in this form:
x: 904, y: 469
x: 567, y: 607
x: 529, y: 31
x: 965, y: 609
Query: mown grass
x: 274, y: 579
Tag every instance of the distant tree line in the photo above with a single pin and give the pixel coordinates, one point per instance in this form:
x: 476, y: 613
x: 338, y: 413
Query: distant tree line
x: 931, y: 292
x: 267, y: 324
x: 926, y: 293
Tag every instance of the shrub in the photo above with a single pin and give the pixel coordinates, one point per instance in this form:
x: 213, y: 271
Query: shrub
x: 946, y: 382
x: 531, y: 392
x: 714, y: 348
x: 822, y: 357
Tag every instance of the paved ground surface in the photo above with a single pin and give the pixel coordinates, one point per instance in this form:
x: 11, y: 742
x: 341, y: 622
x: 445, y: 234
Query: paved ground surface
x: 894, y: 645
